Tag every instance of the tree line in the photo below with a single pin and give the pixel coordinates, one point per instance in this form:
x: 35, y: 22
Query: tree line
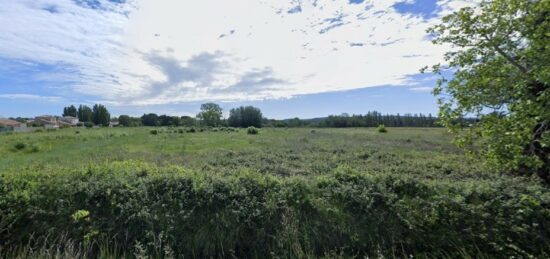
x: 98, y: 114
x: 374, y: 118
x: 211, y: 115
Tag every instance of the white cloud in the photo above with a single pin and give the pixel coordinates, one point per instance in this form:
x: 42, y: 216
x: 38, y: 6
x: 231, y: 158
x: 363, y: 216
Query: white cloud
x: 422, y: 89
x: 148, y: 52
x: 31, y: 97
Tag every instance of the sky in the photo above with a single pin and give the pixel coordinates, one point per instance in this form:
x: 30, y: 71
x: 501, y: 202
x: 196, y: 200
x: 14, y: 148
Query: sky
x: 290, y: 58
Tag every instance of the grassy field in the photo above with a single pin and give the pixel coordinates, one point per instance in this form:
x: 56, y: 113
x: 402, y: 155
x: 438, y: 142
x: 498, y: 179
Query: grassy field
x: 283, y: 152
x: 285, y: 193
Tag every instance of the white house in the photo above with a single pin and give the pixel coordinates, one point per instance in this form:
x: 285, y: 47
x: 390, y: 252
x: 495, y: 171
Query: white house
x: 72, y: 121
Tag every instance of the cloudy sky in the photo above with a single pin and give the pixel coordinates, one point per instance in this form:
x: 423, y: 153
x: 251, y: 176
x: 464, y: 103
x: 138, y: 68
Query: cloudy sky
x: 304, y: 58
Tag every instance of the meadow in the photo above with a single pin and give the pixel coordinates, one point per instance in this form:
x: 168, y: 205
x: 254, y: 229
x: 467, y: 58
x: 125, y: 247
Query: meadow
x: 283, y: 193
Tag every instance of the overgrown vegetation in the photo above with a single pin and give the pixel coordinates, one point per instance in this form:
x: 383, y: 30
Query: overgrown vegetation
x: 253, y: 214
x: 285, y: 193
x: 252, y: 131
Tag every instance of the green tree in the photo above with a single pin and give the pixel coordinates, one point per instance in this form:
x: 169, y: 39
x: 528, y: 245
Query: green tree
x: 501, y: 65
x: 188, y: 121
x: 100, y: 115
x: 84, y: 113
x: 210, y: 114
x: 125, y: 120
x: 245, y: 117
x: 70, y: 111
x: 150, y: 119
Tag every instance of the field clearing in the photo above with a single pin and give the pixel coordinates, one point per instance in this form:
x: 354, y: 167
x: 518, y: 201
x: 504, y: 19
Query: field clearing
x: 284, y: 193
x: 284, y: 152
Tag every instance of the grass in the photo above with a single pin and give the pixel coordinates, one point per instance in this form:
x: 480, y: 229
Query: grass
x: 292, y: 151
x: 283, y: 193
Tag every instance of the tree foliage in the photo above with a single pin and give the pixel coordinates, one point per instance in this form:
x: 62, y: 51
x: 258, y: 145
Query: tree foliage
x: 100, y: 115
x: 245, y: 117
x: 84, y: 113
x: 374, y: 118
x: 188, y: 121
x: 150, y: 119
x: 210, y: 114
x: 501, y: 65
x: 70, y: 111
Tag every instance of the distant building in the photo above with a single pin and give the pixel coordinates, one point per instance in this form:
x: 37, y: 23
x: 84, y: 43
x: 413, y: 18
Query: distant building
x: 48, y: 121
x: 69, y: 120
x: 114, y: 123
x: 11, y: 125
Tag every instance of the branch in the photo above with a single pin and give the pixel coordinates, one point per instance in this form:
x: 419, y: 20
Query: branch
x: 508, y: 57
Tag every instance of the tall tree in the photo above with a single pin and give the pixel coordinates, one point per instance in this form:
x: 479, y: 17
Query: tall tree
x: 245, y: 117
x: 124, y: 120
x: 101, y: 115
x: 84, y: 113
x: 210, y: 114
x: 502, y: 75
x: 150, y: 119
x: 70, y: 111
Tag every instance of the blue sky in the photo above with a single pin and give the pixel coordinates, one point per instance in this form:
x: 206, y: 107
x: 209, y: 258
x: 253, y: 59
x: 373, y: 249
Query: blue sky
x: 291, y: 58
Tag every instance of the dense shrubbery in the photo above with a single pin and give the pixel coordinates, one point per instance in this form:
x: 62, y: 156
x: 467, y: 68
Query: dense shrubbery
x: 19, y: 145
x: 252, y: 130
x: 141, y: 207
x: 381, y: 128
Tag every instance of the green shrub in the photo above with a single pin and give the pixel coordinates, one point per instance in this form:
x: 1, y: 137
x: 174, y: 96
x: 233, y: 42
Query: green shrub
x: 180, y: 131
x: 381, y: 128
x: 191, y: 130
x: 249, y: 214
x: 88, y: 124
x: 80, y: 124
x: 19, y: 146
x: 34, y: 149
x: 64, y: 126
x: 154, y: 132
x: 252, y: 130
x: 39, y: 130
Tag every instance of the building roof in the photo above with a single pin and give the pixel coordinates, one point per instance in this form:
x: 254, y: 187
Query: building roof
x: 8, y: 122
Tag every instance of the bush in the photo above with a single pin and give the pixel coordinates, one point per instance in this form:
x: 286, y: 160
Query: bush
x: 39, y: 130
x: 252, y: 130
x: 154, y: 132
x: 64, y: 126
x: 80, y: 124
x: 381, y: 128
x: 88, y: 124
x: 249, y: 214
x: 19, y: 146
x: 34, y: 149
x: 191, y: 130
x: 180, y: 131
